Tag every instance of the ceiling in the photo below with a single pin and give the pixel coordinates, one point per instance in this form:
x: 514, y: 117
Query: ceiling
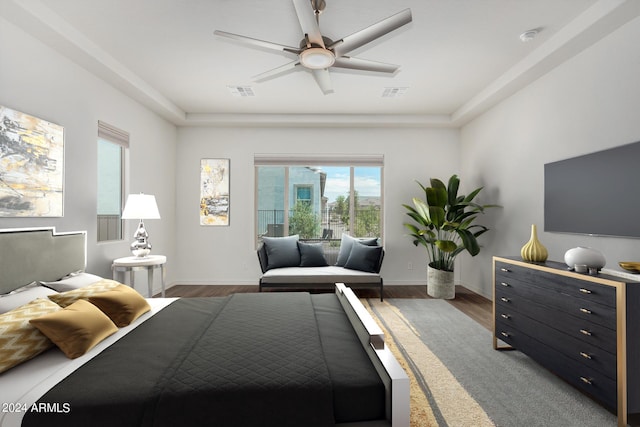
x: 457, y: 57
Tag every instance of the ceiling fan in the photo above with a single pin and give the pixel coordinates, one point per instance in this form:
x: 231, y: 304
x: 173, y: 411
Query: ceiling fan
x: 318, y: 53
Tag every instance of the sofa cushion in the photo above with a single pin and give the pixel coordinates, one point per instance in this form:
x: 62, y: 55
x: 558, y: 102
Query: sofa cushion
x: 345, y: 247
x: 318, y: 275
x: 364, y: 258
x: 311, y: 255
x: 282, y: 251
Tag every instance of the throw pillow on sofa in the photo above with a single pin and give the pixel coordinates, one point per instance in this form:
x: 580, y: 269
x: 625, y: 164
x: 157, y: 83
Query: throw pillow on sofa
x: 282, y: 251
x: 311, y: 255
x: 364, y: 258
x: 345, y: 247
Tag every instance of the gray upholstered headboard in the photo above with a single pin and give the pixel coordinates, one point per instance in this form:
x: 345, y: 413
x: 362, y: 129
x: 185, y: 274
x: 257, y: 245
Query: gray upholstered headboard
x: 31, y: 254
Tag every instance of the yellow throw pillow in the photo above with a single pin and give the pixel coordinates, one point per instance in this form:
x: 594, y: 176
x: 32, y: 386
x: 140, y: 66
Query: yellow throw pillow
x: 64, y: 299
x: 77, y: 328
x: 123, y: 304
x: 19, y: 340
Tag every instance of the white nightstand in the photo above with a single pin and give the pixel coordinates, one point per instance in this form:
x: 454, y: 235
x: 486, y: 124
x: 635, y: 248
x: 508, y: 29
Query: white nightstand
x: 133, y: 263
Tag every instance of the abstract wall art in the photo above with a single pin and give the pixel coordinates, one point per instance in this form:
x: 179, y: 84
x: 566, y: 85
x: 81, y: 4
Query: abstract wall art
x: 31, y: 166
x: 214, y: 192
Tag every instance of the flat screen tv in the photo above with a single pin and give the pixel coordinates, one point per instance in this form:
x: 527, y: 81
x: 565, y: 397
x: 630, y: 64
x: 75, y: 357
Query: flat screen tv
x: 596, y: 194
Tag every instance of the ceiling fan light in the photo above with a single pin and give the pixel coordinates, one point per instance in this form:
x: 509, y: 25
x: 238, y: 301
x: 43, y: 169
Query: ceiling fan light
x: 317, y: 58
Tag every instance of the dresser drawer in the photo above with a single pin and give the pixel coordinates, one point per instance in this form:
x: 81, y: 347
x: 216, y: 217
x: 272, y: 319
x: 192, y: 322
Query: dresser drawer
x: 583, y: 353
x: 588, y: 311
x: 571, y: 286
x: 580, y: 376
x: 578, y: 327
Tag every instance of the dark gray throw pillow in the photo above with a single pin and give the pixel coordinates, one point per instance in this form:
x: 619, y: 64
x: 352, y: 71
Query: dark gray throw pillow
x: 282, y: 251
x: 345, y: 247
x: 364, y: 258
x: 311, y: 255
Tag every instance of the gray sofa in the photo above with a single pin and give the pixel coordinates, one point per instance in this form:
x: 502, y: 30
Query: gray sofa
x: 287, y: 262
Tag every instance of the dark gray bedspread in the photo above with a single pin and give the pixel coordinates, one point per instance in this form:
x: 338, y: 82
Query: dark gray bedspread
x: 284, y: 359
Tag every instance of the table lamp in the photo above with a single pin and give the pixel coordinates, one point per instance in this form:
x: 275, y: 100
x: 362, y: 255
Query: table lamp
x: 141, y: 206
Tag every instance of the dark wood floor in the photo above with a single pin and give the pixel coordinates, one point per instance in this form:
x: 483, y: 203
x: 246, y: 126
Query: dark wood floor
x: 472, y: 304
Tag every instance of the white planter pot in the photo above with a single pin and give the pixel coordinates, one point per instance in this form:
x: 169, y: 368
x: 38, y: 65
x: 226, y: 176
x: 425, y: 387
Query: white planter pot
x: 584, y: 256
x: 440, y: 283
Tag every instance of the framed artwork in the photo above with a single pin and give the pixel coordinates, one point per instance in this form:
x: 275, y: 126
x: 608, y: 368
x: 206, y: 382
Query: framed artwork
x: 214, y: 192
x: 31, y: 166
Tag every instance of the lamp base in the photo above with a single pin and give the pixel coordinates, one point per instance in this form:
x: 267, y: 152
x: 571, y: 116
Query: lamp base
x: 141, y: 247
x: 140, y: 253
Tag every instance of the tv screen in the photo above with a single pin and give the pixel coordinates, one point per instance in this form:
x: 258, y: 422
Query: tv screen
x: 598, y: 193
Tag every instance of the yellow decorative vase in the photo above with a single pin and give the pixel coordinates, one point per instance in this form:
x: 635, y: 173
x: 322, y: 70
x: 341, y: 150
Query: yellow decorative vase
x: 533, y: 250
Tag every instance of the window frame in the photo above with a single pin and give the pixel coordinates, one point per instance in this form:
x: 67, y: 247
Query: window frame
x: 111, y: 134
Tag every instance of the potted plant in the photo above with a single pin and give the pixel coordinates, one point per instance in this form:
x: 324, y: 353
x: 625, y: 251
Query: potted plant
x: 443, y: 224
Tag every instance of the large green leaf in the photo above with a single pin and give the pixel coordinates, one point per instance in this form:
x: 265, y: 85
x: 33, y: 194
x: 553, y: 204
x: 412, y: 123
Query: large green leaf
x: 446, y: 245
x: 469, y: 242
x: 452, y: 190
x: 423, y: 210
x: 436, y: 214
x: 437, y: 197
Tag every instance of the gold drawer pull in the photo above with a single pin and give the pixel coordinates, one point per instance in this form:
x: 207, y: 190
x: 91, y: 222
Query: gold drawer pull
x: 585, y: 355
x: 585, y: 311
x: 506, y: 270
x: 586, y: 380
x: 506, y: 316
x: 585, y: 291
x: 585, y: 332
x: 503, y: 299
x: 505, y: 284
x: 504, y: 334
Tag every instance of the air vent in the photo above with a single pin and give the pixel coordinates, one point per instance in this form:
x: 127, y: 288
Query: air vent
x: 393, y: 92
x: 241, y: 91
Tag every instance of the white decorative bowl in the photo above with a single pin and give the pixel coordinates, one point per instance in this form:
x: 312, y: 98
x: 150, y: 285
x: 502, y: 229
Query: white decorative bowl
x: 581, y: 255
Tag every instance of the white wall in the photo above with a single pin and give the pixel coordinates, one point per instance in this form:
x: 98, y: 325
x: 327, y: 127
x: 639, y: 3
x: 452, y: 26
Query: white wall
x: 37, y: 81
x: 587, y: 104
x: 226, y: 255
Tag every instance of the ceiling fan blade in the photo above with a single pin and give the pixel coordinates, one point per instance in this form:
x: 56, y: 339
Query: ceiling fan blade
x: 324, y: 80
x: 256, y: 42
x: 274, y: 72
x: 365, y: 64
x: 367, y: 35
x: 308, y: 22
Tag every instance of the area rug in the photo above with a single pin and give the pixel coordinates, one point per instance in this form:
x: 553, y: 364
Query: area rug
x: 458, y: 379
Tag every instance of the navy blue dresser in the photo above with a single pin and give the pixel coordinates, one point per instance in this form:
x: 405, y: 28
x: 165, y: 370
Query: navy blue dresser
x: 585, y: 329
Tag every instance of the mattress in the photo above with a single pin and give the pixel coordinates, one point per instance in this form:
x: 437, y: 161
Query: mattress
x: 248, y: 359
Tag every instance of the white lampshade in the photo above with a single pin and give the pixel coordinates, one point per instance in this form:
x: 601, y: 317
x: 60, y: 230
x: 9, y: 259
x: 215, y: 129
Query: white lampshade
x: 141, y: 206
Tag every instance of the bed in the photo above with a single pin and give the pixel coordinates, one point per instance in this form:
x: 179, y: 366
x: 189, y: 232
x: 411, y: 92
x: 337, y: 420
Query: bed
x: 264, y: 359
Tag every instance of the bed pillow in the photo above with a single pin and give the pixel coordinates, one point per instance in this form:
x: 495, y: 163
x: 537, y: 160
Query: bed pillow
x: 345, y: 247
x: 16, y: 299
x: 64, y: 299
x: 76, y: 328
x: 282, y: 251
x: 123, y: 304
x: 73, y: 281
x: 19, y: 340
x: 311, y: 255
x: 364, y: 258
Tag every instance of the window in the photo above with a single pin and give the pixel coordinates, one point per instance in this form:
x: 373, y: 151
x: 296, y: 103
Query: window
x: 319, y: 198
x: 303, y: 193
x: 112, y: 149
